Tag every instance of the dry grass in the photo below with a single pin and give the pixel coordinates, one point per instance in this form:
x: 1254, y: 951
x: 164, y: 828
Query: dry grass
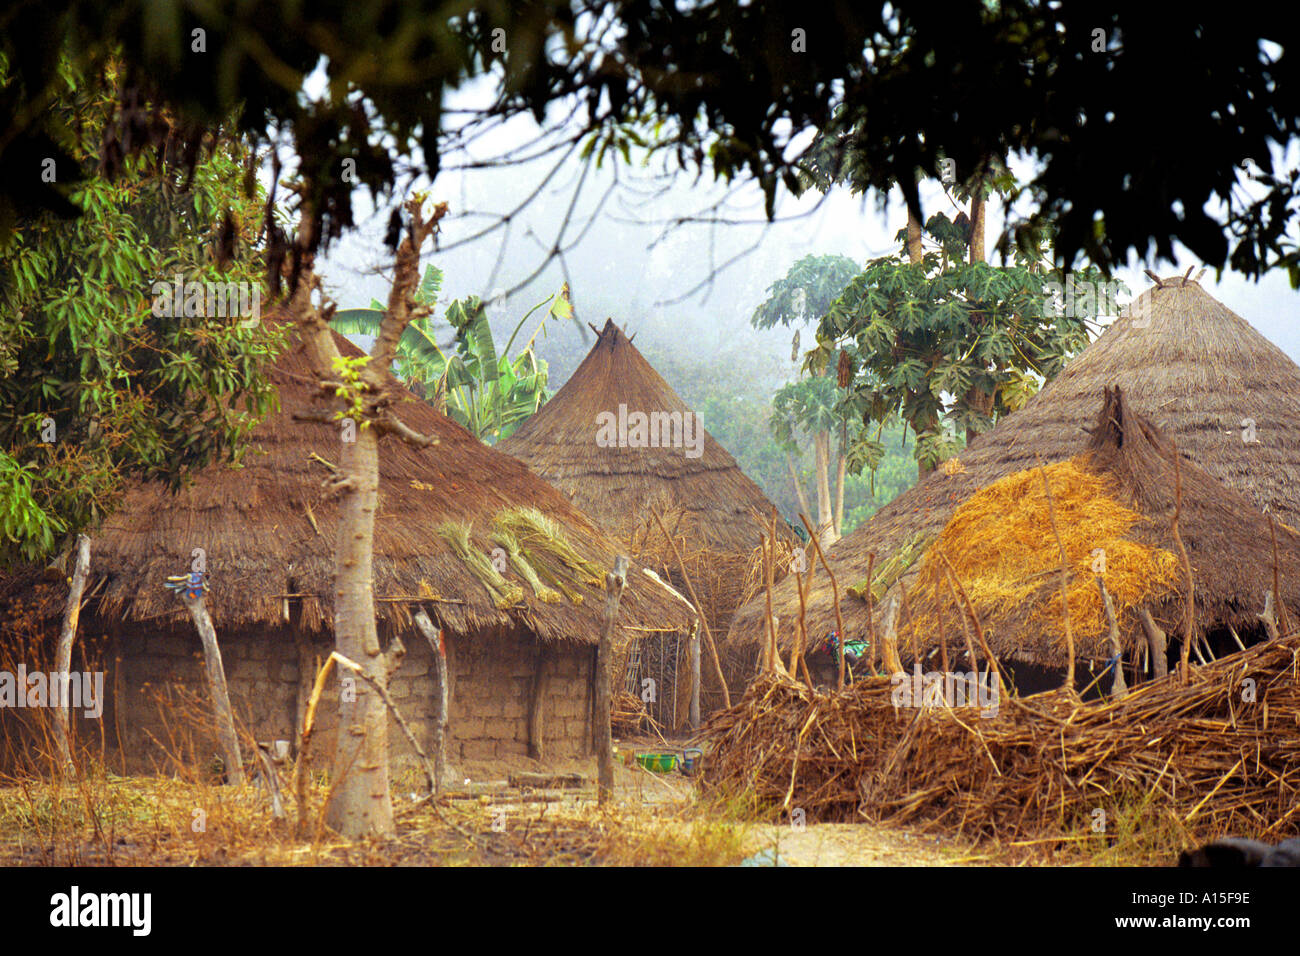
x: 102, y: 819
x: 1006, y: 563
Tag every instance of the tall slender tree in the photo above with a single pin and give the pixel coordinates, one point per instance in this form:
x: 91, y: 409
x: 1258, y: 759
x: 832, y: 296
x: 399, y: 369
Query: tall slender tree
x: 362, y: 392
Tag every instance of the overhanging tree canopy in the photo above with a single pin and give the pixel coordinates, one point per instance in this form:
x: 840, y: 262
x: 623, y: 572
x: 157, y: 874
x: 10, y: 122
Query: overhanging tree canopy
x: 892, y: 88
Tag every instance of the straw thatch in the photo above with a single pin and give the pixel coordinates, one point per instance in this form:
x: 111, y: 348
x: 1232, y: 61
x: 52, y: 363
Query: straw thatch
x: 1192, y: 366
x: 713, y: 513
x: 268, y: 532
x: 1121, y: 500
x: 618, y: 485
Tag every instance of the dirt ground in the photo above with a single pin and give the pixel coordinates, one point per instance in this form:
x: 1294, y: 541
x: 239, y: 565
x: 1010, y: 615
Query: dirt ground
x: 486, y: 820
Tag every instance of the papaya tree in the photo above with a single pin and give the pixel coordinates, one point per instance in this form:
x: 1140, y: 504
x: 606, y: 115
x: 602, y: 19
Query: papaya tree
x: 946, y: 343
x: 811, y: 408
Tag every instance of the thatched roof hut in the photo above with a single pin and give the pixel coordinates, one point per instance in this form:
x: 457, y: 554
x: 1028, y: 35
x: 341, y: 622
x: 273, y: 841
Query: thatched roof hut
x: 1117, y: 495
x: 621, y: 444
x: 617, y: 481
x: 1200, y: 373
x: 267, y: 532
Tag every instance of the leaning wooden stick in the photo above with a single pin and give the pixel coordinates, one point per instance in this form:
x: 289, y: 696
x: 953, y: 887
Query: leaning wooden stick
x: 699, y: 609
x: 1118, y: 687
x: 965, y: 627
x: 309, y: 722
x: 975, y: 619
x: 1065, y: 573
x: 216, y: 675
x: 835, y: 591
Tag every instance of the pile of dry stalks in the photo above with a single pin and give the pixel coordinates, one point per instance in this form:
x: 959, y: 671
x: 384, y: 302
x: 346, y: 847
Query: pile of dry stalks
x: 1222, y: 752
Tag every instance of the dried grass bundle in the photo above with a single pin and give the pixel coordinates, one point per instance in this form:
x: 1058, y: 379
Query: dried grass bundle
x: 504, y: 593
x: 510, y: 544
x: 539, y: 536
x: 997, y: 544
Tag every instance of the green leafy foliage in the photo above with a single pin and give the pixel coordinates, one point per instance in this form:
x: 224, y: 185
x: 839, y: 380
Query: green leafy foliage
x: 731, y: 84
x: 94, y: 386
x: 487, y: 392
x: 805, y: 292
x: 925, y: 341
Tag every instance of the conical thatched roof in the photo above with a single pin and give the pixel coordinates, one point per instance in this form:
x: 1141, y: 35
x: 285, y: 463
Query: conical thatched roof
x: 1228, y: 543
x: 618, y: 485
x: 1188, y: 363
x: 268, y: 530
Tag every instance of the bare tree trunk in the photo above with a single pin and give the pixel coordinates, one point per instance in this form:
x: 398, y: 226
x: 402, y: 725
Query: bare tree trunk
x: 63, y: 654
x: 798, y: 487
x: 917, y: 428
x: 977, y: 204
x: 976, y: 397
x: 604, y: 659
x: 914, y: 248
x: 216, y: 676
x: 825, y: 518
x: 841, y: 468
x: 361, y: 805
x: 915, y: 252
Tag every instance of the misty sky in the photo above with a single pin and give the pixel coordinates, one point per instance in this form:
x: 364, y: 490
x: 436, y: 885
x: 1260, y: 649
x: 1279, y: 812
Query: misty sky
x: 618, y: 269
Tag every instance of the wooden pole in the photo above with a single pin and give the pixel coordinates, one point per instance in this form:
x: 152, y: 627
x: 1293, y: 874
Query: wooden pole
x: 695, y: 675
x: 307, y: 665
x: 1283, y: 623
x: 1118, y: 688
x: 63, y: 653
x: 614, y: 582
x: 1157, y: 642
x: 769, y: 556
x: 1065, y: 599
x: 438, y: 645
x: 216, y: 676
x: 699, y: 609
x: 893, y: 663
x: 1269, y: 617
x: 1189, y: 611
x: 537, y: 706
x: 871, y: 615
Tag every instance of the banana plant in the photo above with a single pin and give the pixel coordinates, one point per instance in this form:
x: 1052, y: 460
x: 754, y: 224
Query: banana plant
x: 487, y: 392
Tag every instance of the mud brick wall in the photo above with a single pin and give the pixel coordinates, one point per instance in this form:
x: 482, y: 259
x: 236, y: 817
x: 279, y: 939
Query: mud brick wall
x: 159, y: 700
x: 490, y: 691
x: 491, y: 683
